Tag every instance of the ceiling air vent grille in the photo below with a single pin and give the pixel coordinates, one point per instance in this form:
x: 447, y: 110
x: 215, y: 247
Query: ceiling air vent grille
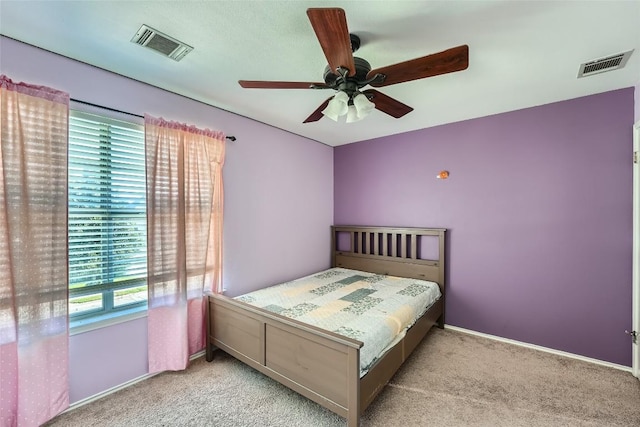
x: 610, y: 63
x: 161, y: 43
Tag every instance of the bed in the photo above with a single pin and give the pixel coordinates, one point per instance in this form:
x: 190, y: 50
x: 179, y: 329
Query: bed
x: 322, y: 365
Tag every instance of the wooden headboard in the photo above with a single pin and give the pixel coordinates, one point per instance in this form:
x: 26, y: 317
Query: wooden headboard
x: 391, y: 250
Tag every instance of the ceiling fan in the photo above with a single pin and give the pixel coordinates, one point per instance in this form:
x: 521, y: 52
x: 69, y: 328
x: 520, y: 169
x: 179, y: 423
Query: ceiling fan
x: 348, y: 74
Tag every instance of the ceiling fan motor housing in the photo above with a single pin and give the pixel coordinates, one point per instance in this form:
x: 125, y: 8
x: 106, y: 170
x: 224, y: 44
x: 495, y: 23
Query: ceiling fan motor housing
x: 362, y: 69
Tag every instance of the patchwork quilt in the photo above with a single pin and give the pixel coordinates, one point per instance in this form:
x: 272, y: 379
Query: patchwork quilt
x: 371, y: 308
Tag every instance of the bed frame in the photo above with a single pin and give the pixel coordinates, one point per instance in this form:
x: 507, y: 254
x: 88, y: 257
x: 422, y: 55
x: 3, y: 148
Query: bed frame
x: 321, y: 365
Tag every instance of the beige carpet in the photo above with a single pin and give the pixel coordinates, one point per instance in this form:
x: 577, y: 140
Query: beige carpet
x: 452, y: 379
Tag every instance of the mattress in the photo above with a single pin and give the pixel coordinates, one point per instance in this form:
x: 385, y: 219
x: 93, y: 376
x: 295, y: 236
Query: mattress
x: 372, y: 308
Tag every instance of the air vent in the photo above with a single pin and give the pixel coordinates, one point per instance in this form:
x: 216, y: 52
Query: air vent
x: 161, y: 43
x: 610, y: 63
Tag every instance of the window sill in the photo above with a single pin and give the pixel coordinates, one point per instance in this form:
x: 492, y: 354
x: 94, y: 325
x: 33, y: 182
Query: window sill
x: 97, y: 322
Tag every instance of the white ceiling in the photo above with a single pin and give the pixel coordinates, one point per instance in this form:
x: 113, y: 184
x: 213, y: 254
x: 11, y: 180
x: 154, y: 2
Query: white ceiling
x: 522, y: 53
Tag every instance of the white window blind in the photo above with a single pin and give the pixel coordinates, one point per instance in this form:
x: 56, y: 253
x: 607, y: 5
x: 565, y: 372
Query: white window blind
x: 107, y: 216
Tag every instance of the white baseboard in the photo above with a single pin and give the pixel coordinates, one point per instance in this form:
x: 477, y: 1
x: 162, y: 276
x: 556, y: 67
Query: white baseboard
x: 86, y: 400
x: 82, y: 402
x: 540, y: 348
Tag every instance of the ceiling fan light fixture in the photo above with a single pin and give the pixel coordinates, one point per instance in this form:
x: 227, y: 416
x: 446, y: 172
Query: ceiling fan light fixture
x: 352, y: 114
x: 337, y: 106
x: 362, y: 105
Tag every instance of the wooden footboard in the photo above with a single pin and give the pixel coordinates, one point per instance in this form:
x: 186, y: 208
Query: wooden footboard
x: 321, y: 365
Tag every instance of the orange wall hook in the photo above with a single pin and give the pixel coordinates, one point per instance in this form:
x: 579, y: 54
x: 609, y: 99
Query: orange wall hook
x: 443, y: 175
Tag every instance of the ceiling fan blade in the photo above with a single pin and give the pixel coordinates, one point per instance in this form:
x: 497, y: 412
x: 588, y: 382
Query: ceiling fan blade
x: 257, y: 84
x: 386, y: 104
x: 448, y: 61
x: 317, y: 115
x: 330, y: 25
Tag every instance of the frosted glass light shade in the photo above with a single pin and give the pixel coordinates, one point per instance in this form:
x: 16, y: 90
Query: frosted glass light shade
x: 352, y: 114
x: 337, y: 106
x: 362, y: 105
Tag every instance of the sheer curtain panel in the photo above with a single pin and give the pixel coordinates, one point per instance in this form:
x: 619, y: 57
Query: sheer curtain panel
x: 184, y: 236
x: 34, y: 339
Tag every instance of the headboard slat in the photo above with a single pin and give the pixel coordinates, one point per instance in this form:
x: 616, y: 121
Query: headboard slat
x: 414, y: 246
x: 403, y: 245
x: 385, y: 245
x: 394, y: 245
x: 376, y: 243
x: 367, y: 242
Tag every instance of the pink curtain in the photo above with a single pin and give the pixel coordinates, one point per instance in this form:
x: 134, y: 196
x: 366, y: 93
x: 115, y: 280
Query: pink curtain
x: 184, y: 235
x: 33, y: 254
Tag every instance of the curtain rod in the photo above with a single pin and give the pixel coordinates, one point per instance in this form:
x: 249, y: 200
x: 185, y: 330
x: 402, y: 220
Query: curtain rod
x: 230, y: 137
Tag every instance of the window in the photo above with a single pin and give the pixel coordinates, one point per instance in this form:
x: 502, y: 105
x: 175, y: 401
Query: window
x: 107, y: 217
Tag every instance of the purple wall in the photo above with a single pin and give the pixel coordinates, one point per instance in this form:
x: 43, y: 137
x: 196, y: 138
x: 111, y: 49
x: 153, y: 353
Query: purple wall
x: 538, y: 207
x: 637, y: 107
x: 106, y: 357
x: 274, y: 181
